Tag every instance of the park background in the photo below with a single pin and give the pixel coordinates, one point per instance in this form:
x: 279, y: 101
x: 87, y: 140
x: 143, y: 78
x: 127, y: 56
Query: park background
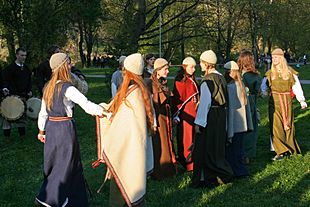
x: 172, y: 29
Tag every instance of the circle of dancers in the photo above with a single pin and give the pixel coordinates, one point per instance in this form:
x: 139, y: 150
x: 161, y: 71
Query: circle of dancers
x: 215, y: 119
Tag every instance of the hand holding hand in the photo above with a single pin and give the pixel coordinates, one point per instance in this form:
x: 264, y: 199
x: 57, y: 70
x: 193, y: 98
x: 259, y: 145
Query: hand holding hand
x: 197, y: 129
x: 303, y: 105
x: 41, y: 138
x: 5, y: 91
x: 176, y: 120
x: 29, y: 93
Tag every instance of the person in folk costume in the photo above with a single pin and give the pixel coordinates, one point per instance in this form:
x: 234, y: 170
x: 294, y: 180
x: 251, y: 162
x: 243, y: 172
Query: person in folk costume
x: 239, y: 119
x: 16, y: 80
x: 117, y: 76
x: 132, y: 112
x: 44, y: 71
x: 164, y: 156
x: 63, y: 183
x: 210, y: 165
x: 149, y: 68
x: 282, y: 81
x: 185, y: 99
x: 252, y: 80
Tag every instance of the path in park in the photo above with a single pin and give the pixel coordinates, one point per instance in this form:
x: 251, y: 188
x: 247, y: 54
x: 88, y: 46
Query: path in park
x: 104, y: 76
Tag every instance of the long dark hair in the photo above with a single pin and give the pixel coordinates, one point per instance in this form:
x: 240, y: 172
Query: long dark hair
x: 182, y: 75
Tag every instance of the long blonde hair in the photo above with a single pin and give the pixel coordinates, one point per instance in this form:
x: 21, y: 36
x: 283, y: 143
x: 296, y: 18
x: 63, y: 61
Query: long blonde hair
x: 121, y: 94
x: 235, y: 75
x: 61, y: 74
x: 285, y: 72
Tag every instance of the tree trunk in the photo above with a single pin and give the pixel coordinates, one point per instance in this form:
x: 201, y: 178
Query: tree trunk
x: 81, y: 33
x: 89, y: 37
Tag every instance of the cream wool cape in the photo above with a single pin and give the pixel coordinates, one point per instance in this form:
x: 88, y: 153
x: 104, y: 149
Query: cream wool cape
x: 127, y: 146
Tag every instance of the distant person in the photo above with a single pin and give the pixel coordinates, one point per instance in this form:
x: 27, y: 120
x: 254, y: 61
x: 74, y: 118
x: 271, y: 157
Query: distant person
x: 117, y: 76
x: 287, y: 57
x: 304, y: 58
x: 268, y: 62
x: 149, y: 68
x: 95, y: 61
x: 17, y: 81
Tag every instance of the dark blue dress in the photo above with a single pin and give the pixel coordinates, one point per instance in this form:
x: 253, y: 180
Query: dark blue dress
x: 64, y: 183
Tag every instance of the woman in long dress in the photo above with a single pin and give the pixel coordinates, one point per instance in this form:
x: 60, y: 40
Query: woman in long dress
x: 164, y: 157
x: 252, y: 80
x: 125, y: 148
x: 63, y: 183
x: 281, y: 82
x: 239, y: 119
x: 185, y: 100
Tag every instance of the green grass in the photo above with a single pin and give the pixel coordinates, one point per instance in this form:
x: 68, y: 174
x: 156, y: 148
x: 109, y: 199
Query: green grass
x: 304, y: 72
x: 284, y: 183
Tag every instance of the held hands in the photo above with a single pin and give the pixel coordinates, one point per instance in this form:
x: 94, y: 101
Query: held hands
x: 303, y: 105
x: 176, y: 120
x: 264, y: 94
x: 5, y: 91
x: 41, y: 138
x: 197, y: 129
x: 29, y: 93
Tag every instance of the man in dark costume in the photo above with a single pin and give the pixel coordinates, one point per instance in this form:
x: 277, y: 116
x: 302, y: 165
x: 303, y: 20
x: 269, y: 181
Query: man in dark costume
x: 17, y: 81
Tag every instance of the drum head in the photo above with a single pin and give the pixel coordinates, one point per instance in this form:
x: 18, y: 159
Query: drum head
x: 12, y: 108
x: 33, y: 107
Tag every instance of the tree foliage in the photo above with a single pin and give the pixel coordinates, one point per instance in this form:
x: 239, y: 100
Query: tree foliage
x: 126, y: 26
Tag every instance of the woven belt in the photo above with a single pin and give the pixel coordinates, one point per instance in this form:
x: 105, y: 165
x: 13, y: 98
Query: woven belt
x: 284, y: 107
x: 59, y: 118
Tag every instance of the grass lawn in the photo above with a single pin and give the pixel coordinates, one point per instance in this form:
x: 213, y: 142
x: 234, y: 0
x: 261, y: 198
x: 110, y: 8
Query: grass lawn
x: 285, y: 183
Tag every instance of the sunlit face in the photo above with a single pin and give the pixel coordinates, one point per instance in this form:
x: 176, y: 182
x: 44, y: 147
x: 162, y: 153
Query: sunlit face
x: 163, y: 72
x: 190, y: 69
x: 21, y: 57
x: 150, y: 62
x: 276, y: 60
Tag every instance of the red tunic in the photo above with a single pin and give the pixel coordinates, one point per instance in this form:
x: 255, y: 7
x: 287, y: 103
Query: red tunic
x: 185, y: 99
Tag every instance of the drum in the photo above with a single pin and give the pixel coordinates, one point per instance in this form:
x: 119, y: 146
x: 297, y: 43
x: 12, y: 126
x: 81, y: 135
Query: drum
x: 80, y: 84
x: 12, y: 108
x: 33, y: 107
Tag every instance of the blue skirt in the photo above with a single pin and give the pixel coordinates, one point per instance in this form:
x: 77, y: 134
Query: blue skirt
x: 64, y: 184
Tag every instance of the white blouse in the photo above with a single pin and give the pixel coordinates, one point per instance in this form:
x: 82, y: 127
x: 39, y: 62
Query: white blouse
x: 204, y: 105
x: 72, y: 96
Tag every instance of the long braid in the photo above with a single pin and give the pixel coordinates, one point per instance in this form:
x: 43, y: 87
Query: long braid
x: 121, y: 96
